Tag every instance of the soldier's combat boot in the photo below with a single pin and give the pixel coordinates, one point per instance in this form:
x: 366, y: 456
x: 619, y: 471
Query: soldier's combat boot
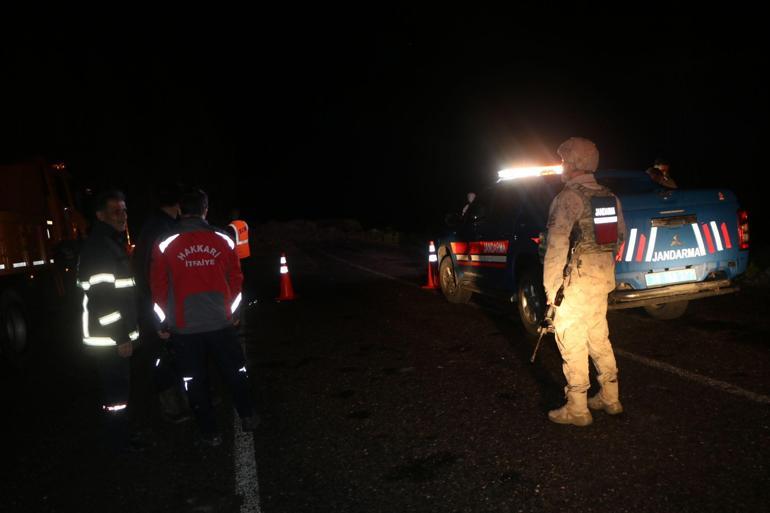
x: 575, y: 412
x: 607, y: 398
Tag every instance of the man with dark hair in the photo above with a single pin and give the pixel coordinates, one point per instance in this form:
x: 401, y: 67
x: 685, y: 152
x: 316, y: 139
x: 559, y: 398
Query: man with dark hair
x: 196, y: 289
x: 109, y: 313
x: 154, y: 360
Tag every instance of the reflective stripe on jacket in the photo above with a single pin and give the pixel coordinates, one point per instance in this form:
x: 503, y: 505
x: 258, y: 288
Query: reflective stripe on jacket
x: 109, y: 302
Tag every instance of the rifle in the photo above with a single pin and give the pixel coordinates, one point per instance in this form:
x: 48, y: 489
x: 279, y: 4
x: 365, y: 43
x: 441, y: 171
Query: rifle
x: 546, y: 325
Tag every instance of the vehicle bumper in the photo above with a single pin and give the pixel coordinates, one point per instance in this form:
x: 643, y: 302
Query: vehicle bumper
x: 683, y: 292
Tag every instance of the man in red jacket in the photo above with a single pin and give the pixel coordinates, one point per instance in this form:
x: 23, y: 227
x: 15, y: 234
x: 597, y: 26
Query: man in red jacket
x: 196, y: 289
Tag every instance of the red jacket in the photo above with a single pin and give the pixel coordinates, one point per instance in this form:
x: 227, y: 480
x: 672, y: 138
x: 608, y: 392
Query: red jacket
x: 195, y: 278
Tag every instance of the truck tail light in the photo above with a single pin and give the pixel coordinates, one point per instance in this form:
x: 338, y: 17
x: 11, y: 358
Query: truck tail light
x: 743, y: 229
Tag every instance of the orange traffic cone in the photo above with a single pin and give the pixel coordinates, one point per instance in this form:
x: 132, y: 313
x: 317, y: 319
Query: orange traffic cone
x: 432, y: 268
x: 287, y: 291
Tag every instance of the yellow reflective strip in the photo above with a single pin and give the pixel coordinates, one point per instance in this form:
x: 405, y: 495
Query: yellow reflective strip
x: 110, y: 318
x: 101, y: 278
x: 123, y: 283
x: 86, y: 333
x: 133, y: 335
x: 159, y: 312
x: 99, y: 341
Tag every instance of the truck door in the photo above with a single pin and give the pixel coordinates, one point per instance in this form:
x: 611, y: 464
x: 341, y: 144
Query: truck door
x: 534, y: 199
x: 486, y: 254
x: 468, y: 235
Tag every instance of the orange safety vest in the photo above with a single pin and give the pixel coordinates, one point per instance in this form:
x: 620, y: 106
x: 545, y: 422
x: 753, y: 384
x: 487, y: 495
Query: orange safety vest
x: 241, y: 230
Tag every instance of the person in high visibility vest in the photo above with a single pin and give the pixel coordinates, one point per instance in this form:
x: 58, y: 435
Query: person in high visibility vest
x: 240, y: 230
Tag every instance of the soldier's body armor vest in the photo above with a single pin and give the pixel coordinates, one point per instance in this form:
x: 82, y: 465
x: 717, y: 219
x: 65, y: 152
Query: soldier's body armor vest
x: 596, y: 231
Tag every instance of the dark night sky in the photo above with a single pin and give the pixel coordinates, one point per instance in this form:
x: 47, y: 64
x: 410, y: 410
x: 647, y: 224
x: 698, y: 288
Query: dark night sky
x: 387, y: 117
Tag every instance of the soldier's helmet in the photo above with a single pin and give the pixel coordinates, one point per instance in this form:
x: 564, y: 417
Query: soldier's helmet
x: 579, y: 152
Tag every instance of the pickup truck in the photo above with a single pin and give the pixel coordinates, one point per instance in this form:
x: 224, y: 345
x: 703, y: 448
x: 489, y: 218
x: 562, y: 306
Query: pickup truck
x: 680, y: 245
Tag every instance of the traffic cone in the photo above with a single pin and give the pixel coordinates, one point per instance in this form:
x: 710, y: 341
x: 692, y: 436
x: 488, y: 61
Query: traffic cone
x: 432, y: 268
x: 287, y: 291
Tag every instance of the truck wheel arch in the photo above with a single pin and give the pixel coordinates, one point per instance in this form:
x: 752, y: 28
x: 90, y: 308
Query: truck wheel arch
x: 530, y: 295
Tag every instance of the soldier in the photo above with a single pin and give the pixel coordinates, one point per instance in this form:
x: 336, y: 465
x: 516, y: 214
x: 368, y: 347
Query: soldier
x: 585, y: 227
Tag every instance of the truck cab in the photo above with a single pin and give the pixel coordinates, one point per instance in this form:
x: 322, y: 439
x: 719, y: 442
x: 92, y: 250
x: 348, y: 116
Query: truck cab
x: 39, y: 231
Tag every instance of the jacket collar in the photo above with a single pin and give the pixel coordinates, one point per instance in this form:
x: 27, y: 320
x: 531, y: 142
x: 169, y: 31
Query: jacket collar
x: 102, y: 229
x: 193, y: 222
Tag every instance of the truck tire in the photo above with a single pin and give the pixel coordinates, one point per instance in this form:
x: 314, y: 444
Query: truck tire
x: 14, y: 332
x: 530, y: 299
x: 667, y: 311
x: 449, y: 286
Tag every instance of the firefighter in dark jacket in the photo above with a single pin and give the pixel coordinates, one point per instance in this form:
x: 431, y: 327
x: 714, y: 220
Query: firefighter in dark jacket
x: 109, y: 321
x: 155, y: 362
x: 196, y: 289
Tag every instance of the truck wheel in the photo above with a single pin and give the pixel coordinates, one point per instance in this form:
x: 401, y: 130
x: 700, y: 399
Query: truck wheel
x: 14, y: 336
x: 531, y: 300
x: 449, y: 286
x: 667, y: 311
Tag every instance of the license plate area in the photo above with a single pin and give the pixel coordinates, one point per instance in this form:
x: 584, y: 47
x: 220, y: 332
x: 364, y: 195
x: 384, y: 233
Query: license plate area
x: 669, y: 277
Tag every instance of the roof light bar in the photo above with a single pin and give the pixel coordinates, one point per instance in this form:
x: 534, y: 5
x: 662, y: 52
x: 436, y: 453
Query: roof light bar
x: 513, y: 173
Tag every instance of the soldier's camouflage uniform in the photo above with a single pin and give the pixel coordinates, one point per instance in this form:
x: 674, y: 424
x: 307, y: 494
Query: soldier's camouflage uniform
x: 581, y: 319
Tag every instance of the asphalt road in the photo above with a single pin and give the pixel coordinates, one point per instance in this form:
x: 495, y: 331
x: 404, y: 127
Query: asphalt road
x: 378, y: 396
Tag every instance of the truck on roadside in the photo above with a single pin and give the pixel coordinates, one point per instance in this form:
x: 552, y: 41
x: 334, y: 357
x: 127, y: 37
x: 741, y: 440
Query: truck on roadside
x: 39, y: 232
x: 681, y: 245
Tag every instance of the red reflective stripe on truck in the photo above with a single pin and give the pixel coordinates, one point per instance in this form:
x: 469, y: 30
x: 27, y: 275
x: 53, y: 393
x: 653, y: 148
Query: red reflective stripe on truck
x: 640, y: 250
x: 707, y: 234
x: 459, y: 248
x: 726, y: 236
x: 489, y: 247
